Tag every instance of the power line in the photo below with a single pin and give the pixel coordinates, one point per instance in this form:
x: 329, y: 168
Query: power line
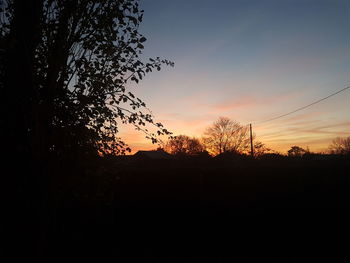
x: 304, y: 107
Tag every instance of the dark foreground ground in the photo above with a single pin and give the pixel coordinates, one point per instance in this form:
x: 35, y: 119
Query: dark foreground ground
x: 202, y: 211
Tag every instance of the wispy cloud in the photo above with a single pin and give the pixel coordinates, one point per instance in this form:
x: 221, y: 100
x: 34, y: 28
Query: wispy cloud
x: 251, y: 102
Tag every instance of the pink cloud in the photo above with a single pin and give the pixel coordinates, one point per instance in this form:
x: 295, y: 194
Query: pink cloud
x: 252, y: 102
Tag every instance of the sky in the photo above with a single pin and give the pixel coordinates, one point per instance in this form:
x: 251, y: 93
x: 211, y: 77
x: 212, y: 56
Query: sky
x: 249, y: 61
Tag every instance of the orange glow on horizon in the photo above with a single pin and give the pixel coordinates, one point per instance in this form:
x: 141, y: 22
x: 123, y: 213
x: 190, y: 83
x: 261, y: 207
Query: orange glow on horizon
x: 314, y: 128
x: 277, y: 139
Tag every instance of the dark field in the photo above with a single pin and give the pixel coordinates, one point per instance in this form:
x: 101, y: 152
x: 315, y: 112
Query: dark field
x: 286, y: 210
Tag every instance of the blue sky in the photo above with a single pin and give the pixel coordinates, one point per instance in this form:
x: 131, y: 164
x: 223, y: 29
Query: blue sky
x: 249, y: 60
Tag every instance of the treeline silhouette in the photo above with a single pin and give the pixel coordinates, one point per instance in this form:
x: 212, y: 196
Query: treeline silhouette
x: 227, y: 137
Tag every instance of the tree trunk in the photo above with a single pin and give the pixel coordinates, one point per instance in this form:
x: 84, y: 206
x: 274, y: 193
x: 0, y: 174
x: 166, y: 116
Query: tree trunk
x: 26, y: 189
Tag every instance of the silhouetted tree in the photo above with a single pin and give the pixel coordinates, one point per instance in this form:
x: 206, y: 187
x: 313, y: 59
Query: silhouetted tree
x: 184, y: 145
x: 260, y: 149
x: 225, y: 135
x: 67, y: 66
x: 340, y: 146
x: 296, y: 151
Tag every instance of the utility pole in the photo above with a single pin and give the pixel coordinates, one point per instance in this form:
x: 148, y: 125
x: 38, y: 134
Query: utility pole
x: 251, y: 141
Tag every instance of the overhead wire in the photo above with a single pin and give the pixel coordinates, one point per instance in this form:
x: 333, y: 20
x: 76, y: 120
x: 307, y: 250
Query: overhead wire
x: 304, y: 107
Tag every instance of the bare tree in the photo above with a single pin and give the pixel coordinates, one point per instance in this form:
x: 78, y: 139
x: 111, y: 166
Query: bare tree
x: 260, y: 149
x: 225, y: 135
x: 340, y: 146
x: 184, y: 145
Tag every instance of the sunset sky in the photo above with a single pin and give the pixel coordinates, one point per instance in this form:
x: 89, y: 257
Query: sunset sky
x: 249, y: 61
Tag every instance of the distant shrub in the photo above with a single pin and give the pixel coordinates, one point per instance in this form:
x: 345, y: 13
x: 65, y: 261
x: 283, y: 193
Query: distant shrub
x: 296, y: 151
